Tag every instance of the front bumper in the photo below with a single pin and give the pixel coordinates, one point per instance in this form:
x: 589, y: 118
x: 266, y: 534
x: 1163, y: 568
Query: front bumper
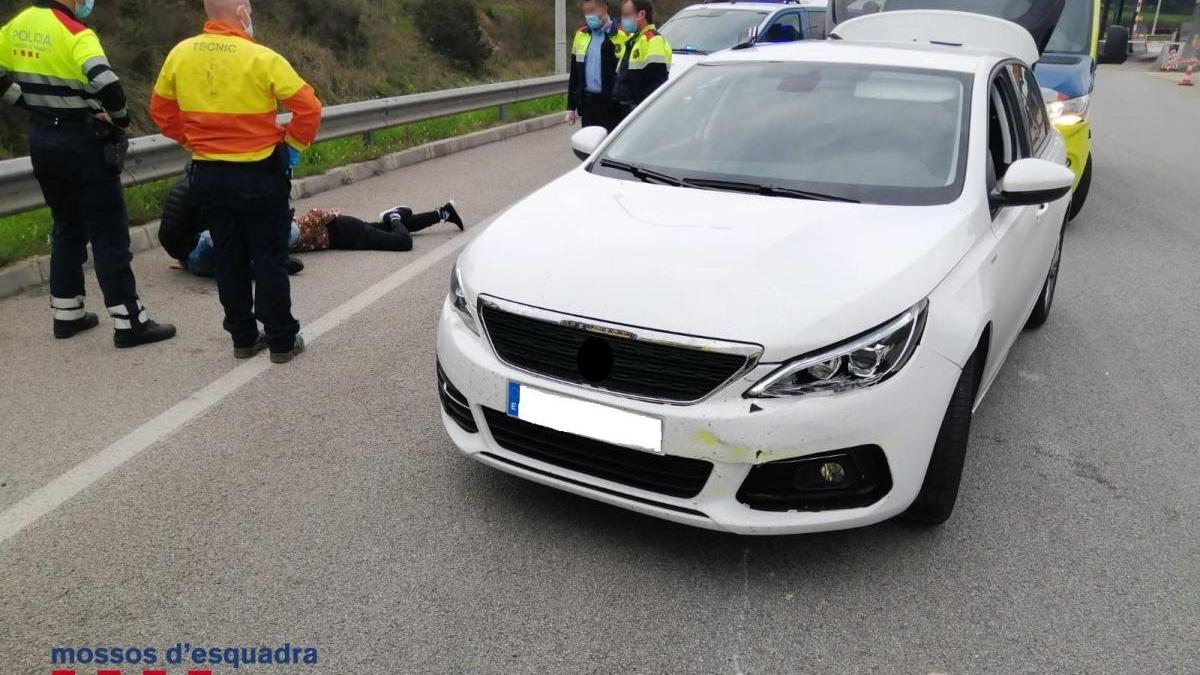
x: 902, y: 416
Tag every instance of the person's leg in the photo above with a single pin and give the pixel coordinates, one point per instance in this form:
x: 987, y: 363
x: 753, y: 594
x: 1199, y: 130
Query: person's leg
x: 351, y: 234
x: 234, y: 281
x: 267, y: 218
x: 68, y: 240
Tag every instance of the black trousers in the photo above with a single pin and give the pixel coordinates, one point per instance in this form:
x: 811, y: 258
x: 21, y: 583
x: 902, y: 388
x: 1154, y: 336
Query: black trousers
x: 598, y: 111
x: 348, y: 233
x: 245, y: 206
x: 85, y: 198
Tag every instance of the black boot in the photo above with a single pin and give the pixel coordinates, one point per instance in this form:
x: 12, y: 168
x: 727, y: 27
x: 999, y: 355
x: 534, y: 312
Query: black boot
x: 294, y: 266
x: 450, y: 215
x: 69, y: 329
x: 285, y: 357
x: 249, y: 352
x: 143, y: 334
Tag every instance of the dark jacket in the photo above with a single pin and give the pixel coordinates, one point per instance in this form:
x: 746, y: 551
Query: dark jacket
x: 610, y: 52
x: 179, y: 230
x: 644, y: 67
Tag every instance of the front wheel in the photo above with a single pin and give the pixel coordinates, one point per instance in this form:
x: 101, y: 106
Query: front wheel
x: 1081, y: 192
x: 939, y: 492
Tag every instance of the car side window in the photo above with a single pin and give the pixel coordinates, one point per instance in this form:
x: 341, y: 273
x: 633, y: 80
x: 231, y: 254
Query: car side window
x: 785, y: 28
x: 1033, y: 107
x: 1006, y: 136
x: 816, y: 25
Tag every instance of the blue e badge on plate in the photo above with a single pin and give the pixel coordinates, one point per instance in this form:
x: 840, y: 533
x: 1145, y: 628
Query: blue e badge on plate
x: 514, y: 399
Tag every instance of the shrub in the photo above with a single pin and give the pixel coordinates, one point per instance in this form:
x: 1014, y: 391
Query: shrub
x: 452, y: 29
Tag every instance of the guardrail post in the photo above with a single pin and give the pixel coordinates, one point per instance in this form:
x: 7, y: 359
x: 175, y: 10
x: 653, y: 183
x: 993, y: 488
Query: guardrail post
x: 504, y: 113
x: 368, y: 137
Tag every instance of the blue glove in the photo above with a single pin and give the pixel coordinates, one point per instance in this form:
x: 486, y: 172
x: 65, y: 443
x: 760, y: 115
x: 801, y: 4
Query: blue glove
x: 293, y: 157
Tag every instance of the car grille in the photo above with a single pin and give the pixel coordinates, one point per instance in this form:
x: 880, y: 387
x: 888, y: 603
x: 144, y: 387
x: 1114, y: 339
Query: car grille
x: 638, y: 368
x: 455, y: 404
x: 662, y: 474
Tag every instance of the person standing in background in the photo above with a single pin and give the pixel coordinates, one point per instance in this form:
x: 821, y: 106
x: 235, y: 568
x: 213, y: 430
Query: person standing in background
x: 217, y: 95
x: 53, y: 66
x: 598, y: 47
x: 646, y: 62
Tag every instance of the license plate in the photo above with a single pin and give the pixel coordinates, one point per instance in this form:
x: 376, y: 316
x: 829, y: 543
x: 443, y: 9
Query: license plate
x: 584, y: 418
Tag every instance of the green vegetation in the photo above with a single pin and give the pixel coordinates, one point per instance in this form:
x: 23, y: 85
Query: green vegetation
x: 28, y: 234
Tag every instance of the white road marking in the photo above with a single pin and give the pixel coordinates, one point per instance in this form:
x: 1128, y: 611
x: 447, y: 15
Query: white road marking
x: 58, y: 491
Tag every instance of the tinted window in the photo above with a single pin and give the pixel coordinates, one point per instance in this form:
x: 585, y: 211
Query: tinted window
x: 709, y: 30
x: 785, y: 28
x: 1033, y: 106
x: 868, y: 133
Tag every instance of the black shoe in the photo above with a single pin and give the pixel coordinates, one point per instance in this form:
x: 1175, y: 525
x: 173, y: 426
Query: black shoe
x: 284, y: 357
x: 145, y: 334
x: 294, y: 266
x: 253, y: 350
x: 393, y: 218
x: 450, y: 215
x: 69, y: 329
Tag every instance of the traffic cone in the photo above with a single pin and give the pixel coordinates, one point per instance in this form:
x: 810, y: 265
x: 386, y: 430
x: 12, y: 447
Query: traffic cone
x: 1187, y: 78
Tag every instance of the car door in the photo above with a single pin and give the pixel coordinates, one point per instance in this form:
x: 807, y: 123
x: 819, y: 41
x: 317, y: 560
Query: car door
x: 1016, y: 228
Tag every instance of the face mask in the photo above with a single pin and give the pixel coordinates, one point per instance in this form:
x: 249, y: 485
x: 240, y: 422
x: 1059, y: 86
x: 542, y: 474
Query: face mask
x: 630, y: 25
x: 593, y: 21
x: 84, y: 9
x: 247, y: 22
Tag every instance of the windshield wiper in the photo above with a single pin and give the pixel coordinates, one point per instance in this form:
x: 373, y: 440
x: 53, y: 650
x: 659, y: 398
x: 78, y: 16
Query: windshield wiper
x: 764, y: 190
x: 642, y: 173
x: 688, y: 50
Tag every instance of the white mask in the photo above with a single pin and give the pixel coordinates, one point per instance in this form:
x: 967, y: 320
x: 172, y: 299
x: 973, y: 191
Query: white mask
x: 247, y: 22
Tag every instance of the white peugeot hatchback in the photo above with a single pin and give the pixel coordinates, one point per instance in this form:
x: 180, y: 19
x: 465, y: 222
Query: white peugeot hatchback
x: 770, y: 302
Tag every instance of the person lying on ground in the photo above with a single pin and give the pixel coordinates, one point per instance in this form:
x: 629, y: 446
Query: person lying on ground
x: 318, y: 230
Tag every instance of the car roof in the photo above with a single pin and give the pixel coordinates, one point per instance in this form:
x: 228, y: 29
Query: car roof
x: 758, y: 5
x: 921, y: 56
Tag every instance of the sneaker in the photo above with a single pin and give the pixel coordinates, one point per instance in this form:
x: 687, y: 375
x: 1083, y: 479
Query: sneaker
x: 450, y: 215
x: 145, y: 334
x: 284, y: 357
x: 253, y: 350
x: 294, y: 266
x: 69, y: 329
x: 397, y: 213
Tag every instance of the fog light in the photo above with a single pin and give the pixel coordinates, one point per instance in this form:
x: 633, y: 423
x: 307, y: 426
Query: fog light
x: 833, y: 473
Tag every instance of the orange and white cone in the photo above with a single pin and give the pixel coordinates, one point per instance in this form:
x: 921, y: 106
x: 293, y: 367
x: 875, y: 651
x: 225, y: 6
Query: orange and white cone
x: 1187, y: 78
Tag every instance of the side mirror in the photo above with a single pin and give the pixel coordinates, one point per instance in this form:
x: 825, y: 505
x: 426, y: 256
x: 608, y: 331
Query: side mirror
x: 1116, y: 45
x: 1032, y: 182
x: 748, y: 39
x: 585, y: 141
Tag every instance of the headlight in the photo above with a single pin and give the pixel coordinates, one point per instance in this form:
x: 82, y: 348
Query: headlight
x: 458, y: 298
x: 858, y: 363
x: 1062, y: 108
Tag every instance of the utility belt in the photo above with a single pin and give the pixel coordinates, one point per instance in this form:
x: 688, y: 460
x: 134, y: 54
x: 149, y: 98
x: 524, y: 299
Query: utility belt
x: 112, y: 138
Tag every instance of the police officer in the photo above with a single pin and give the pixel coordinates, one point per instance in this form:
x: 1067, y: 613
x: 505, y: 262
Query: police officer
x: 646, y: 62
x: 52, y: 65
x: 217, y: 95
x: 598, y: 47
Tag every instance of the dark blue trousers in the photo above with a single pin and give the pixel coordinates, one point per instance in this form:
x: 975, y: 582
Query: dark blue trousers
x: 245, y: 206
x: 85, y: 198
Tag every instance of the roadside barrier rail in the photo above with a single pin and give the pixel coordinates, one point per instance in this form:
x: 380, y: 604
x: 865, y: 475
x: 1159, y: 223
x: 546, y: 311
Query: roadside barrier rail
x: 155, y: 157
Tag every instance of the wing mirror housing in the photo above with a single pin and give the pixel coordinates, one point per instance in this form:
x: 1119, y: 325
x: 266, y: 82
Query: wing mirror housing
x: 748, y: 39
x: 585, y: 141
x: 1116, y: 45
x: 1032, y: 182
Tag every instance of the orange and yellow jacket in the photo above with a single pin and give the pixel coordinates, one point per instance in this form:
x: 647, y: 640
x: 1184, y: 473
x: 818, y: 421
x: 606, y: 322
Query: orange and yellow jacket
x: 219, y: 94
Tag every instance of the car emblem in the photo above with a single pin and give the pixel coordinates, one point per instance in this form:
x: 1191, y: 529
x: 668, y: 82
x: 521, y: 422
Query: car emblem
x: 599, y: 330
x: 595, y: 360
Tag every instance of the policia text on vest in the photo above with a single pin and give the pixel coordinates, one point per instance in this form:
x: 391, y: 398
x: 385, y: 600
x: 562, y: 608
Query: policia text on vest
x: 217, y: 95
x: 53, y: 66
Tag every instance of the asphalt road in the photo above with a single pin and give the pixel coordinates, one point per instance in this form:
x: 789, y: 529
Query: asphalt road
x: 321, y: 504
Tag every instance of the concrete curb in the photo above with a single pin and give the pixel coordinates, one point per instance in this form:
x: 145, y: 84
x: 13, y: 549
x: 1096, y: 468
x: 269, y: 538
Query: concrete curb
x: 35, y: 272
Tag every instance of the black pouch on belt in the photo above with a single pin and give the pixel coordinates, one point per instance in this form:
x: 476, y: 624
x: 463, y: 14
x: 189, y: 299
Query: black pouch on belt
x: 113, y: 140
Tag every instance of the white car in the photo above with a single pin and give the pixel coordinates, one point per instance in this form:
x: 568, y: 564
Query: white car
x: 699, y: 30
x: 770, y: 302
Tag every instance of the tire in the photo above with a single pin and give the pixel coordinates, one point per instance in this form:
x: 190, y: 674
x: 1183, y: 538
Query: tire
x: 939, y: 492
x: 1041, y: 311
x: 1081, y: 192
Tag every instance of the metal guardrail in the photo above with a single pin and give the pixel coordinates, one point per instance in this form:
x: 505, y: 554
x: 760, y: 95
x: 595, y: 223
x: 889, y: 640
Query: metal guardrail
x: 155, y: 157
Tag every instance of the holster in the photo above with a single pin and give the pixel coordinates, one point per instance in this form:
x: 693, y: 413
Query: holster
x: 112, y: 138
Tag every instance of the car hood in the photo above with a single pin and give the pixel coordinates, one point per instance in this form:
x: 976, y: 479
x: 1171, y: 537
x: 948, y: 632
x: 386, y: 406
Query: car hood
x: 791, y: 275
x: 681, y: 63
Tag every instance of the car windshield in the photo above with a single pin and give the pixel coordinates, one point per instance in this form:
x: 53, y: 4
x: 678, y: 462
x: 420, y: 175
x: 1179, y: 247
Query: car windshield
x: 842, y: 132
x: 1073, y: 34
x: 709, y: 30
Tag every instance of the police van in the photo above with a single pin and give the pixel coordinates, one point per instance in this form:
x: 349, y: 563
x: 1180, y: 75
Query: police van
x: 709, y: 27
